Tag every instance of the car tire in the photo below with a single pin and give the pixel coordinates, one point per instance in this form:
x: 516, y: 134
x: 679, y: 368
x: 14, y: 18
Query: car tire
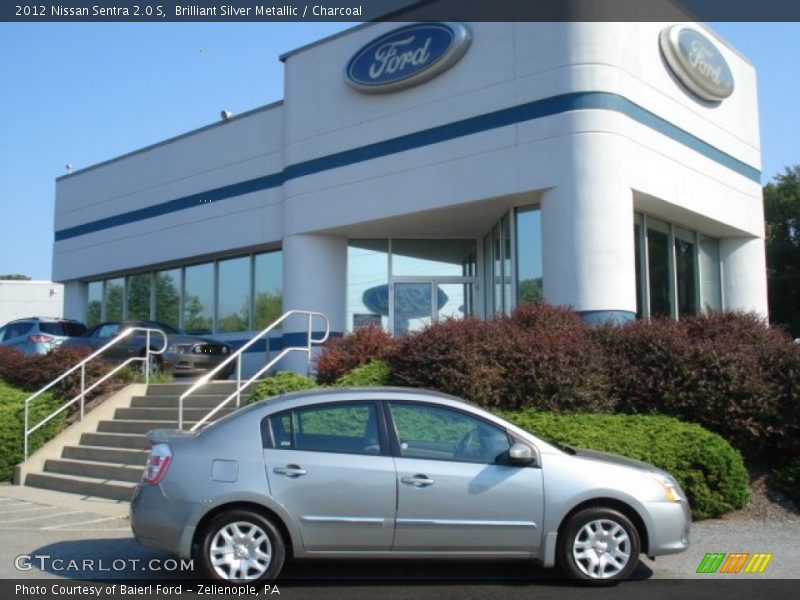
x: 598, y: 546
x: 154, y: 364
x: 242, y: 546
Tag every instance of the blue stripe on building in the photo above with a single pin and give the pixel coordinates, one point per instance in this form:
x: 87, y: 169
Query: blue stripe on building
x: 442, y: 133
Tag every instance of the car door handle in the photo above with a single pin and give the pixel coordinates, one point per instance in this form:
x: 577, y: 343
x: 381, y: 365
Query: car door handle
x: 290, y: 471
x: 418, y: 480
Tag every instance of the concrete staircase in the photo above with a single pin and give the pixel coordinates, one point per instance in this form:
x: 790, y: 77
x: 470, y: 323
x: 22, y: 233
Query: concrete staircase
x: 108, y: 462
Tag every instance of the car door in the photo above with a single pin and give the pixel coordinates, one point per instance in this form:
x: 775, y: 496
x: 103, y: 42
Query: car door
x: 455, y: 494
x: 105, y: 333
x: 330, y: 467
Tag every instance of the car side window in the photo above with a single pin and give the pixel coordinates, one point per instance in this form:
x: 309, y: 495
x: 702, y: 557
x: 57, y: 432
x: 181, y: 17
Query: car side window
x: 106, y: 331
x: 15, y: 330
x: 435, y: 432
x: 2, y: 333
x: 342, y: 428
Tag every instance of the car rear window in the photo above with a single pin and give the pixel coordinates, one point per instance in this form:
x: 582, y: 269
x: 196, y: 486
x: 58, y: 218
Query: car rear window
x: 51, y: 328
x: 74, y: 329
x: 17, y: 329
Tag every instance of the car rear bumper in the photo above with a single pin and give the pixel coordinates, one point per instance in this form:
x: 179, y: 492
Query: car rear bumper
x: 160, y: 523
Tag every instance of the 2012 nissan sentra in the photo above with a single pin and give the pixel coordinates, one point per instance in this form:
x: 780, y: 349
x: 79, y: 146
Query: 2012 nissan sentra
x: 397, y: 473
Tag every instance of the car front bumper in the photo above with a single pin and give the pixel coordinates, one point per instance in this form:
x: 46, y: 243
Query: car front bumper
x: 669, y: 527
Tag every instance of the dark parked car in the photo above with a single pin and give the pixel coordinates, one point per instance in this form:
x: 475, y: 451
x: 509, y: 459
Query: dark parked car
x: 185, y: 354
x: 39, y: 335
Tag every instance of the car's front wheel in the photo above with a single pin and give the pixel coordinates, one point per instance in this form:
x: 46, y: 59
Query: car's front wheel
x: 241, y: 546
x: 599, y: 545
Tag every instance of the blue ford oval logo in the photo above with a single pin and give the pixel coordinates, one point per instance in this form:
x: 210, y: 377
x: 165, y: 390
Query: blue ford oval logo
x: 697, y: 62
x: 407, y: 56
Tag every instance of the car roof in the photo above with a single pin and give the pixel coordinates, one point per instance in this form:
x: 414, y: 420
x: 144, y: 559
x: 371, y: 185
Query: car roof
x: 45, y: 319
x: 348, y: 394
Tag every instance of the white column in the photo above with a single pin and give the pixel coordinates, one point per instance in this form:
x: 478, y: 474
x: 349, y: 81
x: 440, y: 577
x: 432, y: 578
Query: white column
x: 314, y: 278
x: 744, y: 274
x: 587, y: 234
x: 75, y: 300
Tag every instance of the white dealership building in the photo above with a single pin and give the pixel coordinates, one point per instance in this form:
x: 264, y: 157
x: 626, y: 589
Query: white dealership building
x: 415, y: 172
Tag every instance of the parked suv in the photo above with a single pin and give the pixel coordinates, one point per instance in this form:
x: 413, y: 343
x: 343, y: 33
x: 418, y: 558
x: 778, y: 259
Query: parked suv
x: 39, y: 335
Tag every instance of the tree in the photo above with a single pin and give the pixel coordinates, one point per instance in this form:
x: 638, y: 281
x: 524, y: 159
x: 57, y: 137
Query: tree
x: 782, y: 216
x: 15, y: 277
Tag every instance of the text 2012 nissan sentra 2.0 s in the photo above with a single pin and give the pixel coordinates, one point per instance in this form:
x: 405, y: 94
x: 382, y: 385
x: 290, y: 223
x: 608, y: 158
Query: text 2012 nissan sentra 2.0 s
x: 397, y: 473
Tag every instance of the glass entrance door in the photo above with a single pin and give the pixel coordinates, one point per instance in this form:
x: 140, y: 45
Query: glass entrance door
x: 418, y: 303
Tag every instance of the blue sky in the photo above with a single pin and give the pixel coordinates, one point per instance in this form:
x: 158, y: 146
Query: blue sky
x: 84, y: 93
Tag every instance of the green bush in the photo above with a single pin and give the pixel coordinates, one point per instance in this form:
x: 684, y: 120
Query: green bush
x: 710, y: 471
x: 280, y: 383
x: 12, y: 419
x: 373, y: 373
x: 787, y: 480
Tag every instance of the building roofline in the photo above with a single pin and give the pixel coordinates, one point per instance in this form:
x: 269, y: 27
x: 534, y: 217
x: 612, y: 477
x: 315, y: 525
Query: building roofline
x: 176, y: 138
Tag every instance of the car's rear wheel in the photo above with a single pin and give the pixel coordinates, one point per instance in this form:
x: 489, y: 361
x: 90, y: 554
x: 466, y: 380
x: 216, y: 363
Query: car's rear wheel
x: 599, y: 546
x: 241, y: 546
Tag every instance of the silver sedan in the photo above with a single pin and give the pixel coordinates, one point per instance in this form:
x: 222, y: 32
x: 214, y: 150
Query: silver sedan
x: 397, y: 473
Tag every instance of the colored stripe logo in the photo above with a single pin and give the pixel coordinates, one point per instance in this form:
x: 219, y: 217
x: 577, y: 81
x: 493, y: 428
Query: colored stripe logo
x: 734, y: 563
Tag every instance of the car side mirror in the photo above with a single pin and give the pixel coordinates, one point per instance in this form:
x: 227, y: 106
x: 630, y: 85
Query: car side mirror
x: 521, y: 454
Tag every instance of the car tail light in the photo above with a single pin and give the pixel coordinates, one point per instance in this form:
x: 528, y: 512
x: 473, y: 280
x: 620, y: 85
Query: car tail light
x: 39, y: 339
x: 157, y: 464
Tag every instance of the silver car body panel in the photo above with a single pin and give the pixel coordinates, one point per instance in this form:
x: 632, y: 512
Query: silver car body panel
x: 468, y: 507
x: 358, y: 505
x: 340, y: 497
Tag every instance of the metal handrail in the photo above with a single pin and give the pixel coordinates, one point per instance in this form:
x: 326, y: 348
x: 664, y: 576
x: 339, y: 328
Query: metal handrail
x: 82, y: 366
x: 238, y: 357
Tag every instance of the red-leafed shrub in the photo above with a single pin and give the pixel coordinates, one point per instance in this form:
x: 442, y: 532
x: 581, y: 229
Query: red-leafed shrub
x: 32, y: 372
x: 346, y: 353
x: 541, y: 357
x: 729, y: 372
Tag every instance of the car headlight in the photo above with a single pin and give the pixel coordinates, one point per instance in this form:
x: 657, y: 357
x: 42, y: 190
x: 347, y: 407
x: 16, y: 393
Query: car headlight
x: 672, y: 490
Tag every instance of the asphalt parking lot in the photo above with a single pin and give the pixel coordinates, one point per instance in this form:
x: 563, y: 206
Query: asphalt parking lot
x: 69, y: 535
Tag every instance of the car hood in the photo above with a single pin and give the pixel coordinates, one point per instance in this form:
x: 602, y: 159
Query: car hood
x: 191, y: 339
x: 616, y: 459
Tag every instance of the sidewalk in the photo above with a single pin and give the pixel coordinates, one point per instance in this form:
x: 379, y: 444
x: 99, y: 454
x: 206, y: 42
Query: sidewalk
x: 89, y: 504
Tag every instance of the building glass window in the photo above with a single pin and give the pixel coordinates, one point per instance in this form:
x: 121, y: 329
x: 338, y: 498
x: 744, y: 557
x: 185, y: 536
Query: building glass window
x: 432, y: 258
x: 710, y: 280
x: 113, y: 299
x: 367, y: 283
x: 94, y: 303
x: 186, y: 296
x: 677, y: 270
x: 641, y: 301
x: 658, y: 264
x: 530, y: 287
x: 138, y: 296
x: 198, y: 299
x: 233, y: 295
x: 497, y: 268
x: 267, y: 289
x: 685, y: 271
x: 168, y: 297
